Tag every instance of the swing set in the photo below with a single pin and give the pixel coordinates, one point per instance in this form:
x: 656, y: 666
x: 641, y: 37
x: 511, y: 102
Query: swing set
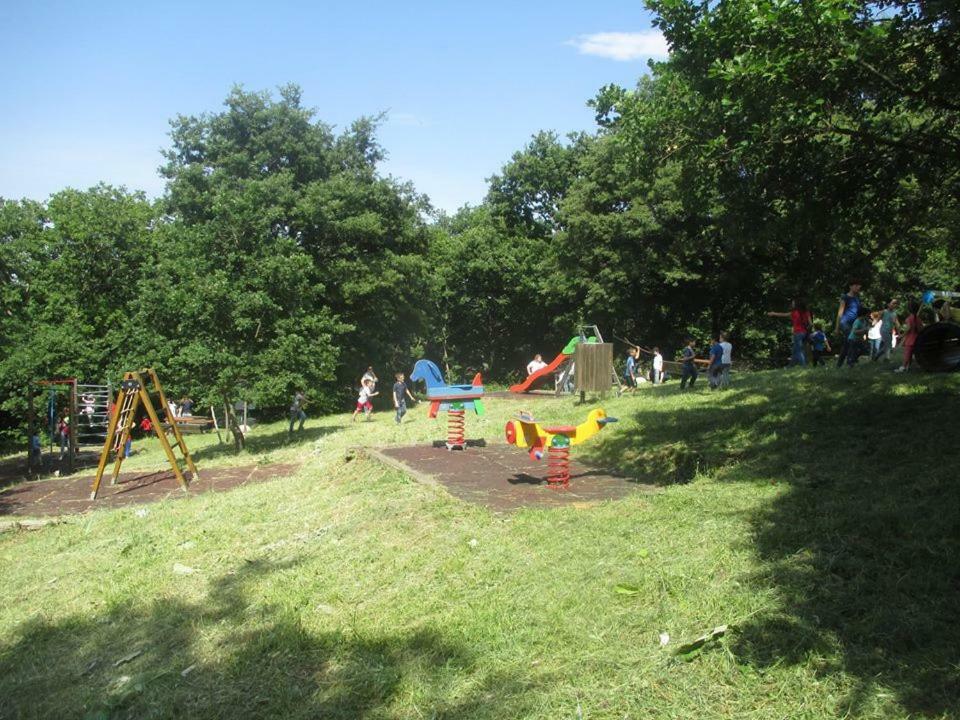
x: 94, y: 419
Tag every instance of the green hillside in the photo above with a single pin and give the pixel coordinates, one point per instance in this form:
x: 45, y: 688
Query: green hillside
x: 815, y: 514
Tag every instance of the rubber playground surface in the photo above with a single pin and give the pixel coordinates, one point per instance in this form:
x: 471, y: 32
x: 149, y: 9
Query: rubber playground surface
x: 500, y: 477
x: 69, y: 496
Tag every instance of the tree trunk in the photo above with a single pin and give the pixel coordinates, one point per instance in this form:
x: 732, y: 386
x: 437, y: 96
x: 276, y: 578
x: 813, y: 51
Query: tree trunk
x: 233, y: 425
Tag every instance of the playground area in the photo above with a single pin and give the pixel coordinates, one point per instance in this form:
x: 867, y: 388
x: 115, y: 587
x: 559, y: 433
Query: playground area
x: 501, y: 479
x: 71, y: 496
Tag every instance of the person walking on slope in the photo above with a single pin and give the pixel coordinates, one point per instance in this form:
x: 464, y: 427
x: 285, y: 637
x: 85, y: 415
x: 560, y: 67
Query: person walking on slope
x: 801, y: 319
x: 847, y: 315
x: 818, y: 344
x: 630, y: 370
x: 689, y: 367
x: 400, y: 394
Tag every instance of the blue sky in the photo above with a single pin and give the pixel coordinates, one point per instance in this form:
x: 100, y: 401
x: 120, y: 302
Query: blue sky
x: 89, y: 87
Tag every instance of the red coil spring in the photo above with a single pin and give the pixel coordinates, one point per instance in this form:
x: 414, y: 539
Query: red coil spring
x: 558, y: 466
x: 455, y: 429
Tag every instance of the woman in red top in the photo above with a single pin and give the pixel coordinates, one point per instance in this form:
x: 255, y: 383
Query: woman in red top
x: 802, y: 320
x: 913, y: 327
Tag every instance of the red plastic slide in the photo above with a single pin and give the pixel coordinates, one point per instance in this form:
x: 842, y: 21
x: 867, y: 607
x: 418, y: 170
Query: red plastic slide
x: 531, y: 380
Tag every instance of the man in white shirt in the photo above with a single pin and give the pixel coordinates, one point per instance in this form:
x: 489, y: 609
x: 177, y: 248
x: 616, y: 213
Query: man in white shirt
x: 535, y: 365
x: 726, y: 360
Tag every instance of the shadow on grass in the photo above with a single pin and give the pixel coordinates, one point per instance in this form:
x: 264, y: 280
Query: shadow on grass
x: 258, y: 444
x: 159, y: 660
x: 862, y: 545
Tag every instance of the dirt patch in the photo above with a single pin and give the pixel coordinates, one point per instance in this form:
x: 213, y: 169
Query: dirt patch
x: 69, y: 496
x: 501, y: 477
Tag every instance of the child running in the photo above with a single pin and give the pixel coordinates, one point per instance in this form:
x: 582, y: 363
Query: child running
x: 363, y: 400
x: 400, y: 394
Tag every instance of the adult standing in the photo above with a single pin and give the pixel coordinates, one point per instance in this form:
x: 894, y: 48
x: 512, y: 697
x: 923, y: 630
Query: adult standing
x: 847, y: 315
x: 296, y: 411
x: 801, y: 321
x: 371, y: 376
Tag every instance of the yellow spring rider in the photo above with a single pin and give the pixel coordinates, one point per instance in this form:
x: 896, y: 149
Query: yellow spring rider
x: 525, y: 432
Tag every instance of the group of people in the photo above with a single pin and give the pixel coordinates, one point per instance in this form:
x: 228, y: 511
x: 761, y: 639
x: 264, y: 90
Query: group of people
x: 718, y: 365
x: 633, y: 376
x: 860, y: 331
x: 367, y: 391
x: 184, y: 409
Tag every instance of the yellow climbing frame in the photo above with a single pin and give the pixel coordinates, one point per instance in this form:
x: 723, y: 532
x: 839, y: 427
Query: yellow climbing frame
x: 134, y: 392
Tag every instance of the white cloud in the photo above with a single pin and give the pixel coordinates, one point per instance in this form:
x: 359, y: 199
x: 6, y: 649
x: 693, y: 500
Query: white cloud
x: 622, y: 46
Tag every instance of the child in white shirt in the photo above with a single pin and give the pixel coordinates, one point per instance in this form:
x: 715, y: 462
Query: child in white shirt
x: 363, y: 400
x: 657, y: 366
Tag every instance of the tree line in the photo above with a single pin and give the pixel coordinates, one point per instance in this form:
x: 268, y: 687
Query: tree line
x: 783, y: 149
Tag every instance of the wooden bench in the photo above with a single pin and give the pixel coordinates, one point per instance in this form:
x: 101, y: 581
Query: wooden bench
x: 192, y: 424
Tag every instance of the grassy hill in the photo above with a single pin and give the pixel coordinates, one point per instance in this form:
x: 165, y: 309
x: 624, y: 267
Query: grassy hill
x: 816, y: 514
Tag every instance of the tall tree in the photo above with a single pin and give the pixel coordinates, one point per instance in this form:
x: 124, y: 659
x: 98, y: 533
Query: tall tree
x: 307, y: 261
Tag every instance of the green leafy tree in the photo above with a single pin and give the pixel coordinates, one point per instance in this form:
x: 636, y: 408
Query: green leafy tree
x: 71, y: 270
x: 289, y: 259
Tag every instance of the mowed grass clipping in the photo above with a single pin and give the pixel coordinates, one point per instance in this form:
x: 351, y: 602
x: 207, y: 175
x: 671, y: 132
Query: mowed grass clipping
x: 814, y: 514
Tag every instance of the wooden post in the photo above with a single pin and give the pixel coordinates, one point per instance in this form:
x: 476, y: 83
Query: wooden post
x: 216, y: 427
x: 31, y: 428
x: 74, y: 426
x: 594, y: 367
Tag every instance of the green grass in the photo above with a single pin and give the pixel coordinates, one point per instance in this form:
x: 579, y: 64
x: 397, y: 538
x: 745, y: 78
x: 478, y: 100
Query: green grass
x: 815, y: 513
